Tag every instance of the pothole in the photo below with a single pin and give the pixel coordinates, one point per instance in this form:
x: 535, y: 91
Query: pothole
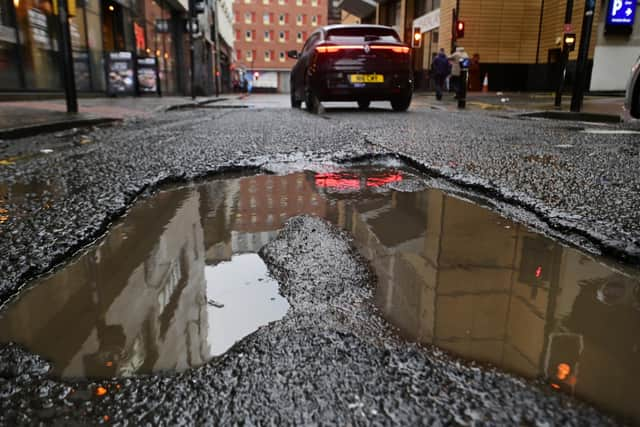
x: 178, y: 281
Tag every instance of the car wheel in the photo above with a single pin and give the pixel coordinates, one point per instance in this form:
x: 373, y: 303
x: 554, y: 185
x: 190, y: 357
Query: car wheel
x: 401, y: 102
x: 295, y: 103
x: 312, y: 102
x: 363, y: 104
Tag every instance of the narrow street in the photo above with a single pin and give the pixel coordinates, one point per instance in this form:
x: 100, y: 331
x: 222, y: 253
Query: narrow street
x: 433, y: 267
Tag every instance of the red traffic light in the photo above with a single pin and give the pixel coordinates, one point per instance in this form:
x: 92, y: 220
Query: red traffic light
x: 459, y: 29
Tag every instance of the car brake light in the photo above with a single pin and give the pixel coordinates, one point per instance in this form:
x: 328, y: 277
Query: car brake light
x: 394, y: 49
x: 336, y: 48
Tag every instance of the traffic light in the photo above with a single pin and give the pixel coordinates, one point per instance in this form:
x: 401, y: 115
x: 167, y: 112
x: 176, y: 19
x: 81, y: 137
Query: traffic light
x: 569, y: 41
x: 459, y: 29
x: 416, y: 41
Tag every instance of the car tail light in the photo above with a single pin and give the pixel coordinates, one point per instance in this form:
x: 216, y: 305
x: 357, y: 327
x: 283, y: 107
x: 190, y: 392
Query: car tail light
x: 337, y: 48
x: 394, y: 49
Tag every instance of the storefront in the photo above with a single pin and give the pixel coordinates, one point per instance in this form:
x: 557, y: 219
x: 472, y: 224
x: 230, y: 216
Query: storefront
x: 30, y: 51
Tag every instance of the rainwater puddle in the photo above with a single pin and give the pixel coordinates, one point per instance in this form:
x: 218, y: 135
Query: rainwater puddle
x: 178, y: 281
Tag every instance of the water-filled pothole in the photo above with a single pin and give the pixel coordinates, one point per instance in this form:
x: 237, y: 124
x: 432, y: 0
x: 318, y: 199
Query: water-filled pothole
x: 450, y: 273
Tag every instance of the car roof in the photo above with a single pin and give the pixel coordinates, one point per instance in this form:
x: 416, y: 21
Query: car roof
x: 356, y: 27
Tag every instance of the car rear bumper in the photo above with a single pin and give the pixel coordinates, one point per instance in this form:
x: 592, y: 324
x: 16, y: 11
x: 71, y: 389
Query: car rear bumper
x: 336, y: 86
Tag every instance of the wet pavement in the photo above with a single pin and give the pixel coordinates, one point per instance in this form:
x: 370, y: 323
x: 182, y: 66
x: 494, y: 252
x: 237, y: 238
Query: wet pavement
x: 186, y: 283
x: 581, y: 188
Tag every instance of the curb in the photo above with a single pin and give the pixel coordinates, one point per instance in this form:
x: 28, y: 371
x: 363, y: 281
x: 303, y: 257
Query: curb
x: 32, y: 130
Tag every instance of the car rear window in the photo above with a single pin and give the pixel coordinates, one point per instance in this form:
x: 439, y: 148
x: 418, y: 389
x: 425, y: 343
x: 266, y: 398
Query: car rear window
x: 358, y: 35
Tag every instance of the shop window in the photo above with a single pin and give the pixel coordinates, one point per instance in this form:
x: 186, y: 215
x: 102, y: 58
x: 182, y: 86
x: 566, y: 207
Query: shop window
x: 9, y: 72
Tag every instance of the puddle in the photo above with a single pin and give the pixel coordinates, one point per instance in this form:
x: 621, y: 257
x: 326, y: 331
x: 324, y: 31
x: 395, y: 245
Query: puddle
x: 178, y: 281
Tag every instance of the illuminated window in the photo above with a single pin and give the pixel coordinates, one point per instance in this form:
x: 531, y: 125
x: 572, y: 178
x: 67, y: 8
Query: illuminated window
x: 299, y: 37
x: 314, y: 20
x: 247, y: 18
x: 247, y: 35
x: 281, y: 19
x: 299, y: 20
x: 267, y: 56
x: 265, y: 18
x: 281, y: 36
x: 283, y: 57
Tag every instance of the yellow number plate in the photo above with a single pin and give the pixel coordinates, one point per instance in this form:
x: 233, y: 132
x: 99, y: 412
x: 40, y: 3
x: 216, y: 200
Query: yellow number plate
x: 366, y: 78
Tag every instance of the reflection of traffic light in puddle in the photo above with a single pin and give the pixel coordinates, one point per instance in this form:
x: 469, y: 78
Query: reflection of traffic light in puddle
x: 562, y: 361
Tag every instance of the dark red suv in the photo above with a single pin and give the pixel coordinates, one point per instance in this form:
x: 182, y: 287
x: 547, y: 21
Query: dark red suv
x: 360, y: 63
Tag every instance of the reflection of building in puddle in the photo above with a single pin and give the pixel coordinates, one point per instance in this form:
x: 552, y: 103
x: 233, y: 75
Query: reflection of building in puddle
x: 242, y: 215
x: 461, y: 277
x: 134, y: 303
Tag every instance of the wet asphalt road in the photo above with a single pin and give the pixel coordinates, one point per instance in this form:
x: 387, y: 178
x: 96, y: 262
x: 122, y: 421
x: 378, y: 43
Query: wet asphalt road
x: 317, y: 364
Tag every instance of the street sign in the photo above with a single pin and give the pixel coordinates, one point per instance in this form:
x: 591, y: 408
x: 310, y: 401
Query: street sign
x: 620, y: 15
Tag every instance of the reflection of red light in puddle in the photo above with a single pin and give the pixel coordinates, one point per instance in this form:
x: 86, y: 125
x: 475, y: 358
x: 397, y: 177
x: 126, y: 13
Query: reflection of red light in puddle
x: 335, y: 180
x: 539, y: 272
x: 563, y: 371
x: 101, y: 391
x: 556, y: 386
x: 378, y: 181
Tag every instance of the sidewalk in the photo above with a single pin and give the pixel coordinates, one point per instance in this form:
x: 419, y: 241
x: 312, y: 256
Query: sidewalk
x: 526, y: 102
x: 26, y: 118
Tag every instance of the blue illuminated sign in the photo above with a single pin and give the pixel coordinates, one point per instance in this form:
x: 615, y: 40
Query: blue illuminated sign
x: 621, y: 12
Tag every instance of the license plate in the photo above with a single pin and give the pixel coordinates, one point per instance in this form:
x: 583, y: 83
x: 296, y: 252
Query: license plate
x: 366, y: 78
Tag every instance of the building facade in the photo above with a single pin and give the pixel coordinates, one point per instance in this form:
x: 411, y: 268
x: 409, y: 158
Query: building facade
x: 518, y: 42
x: 139, y: 29
x: 265, y: 30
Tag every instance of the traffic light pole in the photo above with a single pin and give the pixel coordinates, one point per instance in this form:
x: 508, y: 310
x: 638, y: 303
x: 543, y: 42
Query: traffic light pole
x: 577, y: 95
x: 192, y: 13
x: 68, y: 75
x: 564, y: 57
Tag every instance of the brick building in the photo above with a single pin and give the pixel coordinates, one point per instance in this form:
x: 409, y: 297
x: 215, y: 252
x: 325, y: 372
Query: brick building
x: 265, y: 30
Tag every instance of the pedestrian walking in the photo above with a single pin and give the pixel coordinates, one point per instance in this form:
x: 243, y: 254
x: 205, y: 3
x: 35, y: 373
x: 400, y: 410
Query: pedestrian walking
x: 456, y: 69
x: 440, y: 69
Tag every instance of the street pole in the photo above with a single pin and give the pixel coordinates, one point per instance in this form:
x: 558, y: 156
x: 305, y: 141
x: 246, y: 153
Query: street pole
x: 192, y: 65
x: 564, y: 57
x: 217, y: 53
x: 577, y: 95
x: 68, y: 75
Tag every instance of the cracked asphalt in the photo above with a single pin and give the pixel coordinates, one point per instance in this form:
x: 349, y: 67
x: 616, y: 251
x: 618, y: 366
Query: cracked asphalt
x: 317, y: 364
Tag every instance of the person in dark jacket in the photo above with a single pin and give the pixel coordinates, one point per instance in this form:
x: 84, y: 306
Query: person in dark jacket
x: 441, y: 69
